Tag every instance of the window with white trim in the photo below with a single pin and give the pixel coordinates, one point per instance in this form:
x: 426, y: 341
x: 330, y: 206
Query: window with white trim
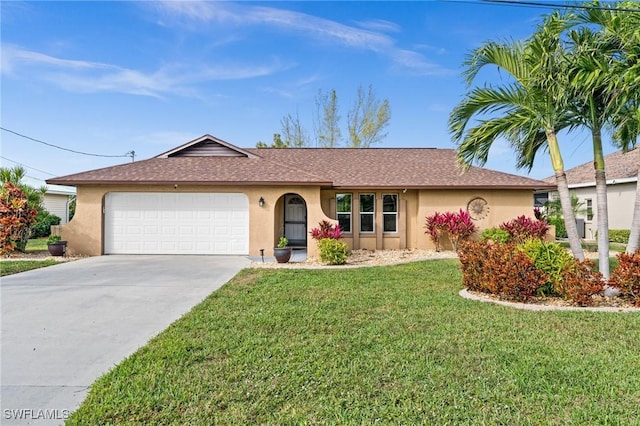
x: 343, y: 211
x: 390, y: 212
x: 589, y: 209
x: 367, y: 213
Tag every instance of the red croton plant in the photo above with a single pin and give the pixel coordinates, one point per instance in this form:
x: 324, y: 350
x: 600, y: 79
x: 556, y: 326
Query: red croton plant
x: 458, y: 226
x: 16, y: 217
x: 326, y: 230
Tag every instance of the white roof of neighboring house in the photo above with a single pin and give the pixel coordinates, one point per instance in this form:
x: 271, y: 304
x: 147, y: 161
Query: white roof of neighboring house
x: 620, y: 167
x: 61, y: 190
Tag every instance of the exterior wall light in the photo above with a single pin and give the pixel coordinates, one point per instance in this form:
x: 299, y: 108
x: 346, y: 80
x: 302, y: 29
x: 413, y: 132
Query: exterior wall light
x: 261, y: 202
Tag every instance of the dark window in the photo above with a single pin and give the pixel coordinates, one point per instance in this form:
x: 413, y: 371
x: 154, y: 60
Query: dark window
x: 589, y: 209
x: 367, y: 212
x: 390, y: 212
x: 343, y: 211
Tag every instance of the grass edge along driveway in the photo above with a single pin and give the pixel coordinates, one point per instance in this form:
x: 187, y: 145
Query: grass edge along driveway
x: 393, y: 345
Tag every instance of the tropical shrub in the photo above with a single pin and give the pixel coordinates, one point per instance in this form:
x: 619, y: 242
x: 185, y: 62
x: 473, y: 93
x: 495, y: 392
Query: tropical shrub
x: 626, y: 276
x: 326, y: 230
x: 457, y: 226
x: 561, y: 228
x: 619, y: 235
x: 333, y: 251
x: 497, y: 235
x: 580, y: 281
x: 499, y: 269
x: 16, y: 218
x: 550, y: 258
x: 42, y: 226
x: 523, y: 228
x: 522, y: 272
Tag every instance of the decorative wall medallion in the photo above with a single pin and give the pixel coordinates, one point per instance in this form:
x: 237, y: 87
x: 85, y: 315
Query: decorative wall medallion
x: 478, y: 208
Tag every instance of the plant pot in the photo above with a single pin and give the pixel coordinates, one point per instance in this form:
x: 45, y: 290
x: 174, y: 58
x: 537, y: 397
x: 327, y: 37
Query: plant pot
x: 282, y: 254
x: 57, y: 249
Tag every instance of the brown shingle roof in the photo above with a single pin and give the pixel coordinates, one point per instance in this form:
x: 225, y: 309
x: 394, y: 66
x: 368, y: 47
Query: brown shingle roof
x: 338, y: 167
x: 618, y: 166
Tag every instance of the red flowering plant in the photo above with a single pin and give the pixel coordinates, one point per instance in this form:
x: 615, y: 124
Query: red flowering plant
x: 458, y: 226
x: 326, y: 230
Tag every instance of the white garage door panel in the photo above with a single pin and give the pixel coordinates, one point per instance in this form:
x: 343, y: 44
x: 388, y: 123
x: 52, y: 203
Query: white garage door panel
x: 183, y: 223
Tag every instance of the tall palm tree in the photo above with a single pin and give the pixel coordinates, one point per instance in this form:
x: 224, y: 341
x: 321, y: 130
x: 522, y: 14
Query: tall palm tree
x: 528, y: 112
x: 606, y: 80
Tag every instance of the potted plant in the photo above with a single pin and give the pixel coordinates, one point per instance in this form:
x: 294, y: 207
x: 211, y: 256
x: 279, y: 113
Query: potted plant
x: 56, y: 246
x: 281, y: 251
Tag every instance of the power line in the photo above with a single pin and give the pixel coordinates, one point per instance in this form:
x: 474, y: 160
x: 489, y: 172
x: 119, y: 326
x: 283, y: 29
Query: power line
x: 542, y: 5
x: 128, y: 154
x: 558, y: 5
x: 28, y: 167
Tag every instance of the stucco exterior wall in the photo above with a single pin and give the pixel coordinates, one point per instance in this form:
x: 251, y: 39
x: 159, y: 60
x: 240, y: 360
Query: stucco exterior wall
x: 416, y: 205
x: 85, y: 232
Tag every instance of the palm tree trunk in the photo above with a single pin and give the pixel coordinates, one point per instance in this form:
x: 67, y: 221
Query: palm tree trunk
x: 568, y: 215
x: 565, y: 197
x: 603, y: 223
x: 634, y: 235
x: 601, y: 201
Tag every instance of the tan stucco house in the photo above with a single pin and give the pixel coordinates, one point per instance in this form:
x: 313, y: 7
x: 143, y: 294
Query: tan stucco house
x: 211, y: 197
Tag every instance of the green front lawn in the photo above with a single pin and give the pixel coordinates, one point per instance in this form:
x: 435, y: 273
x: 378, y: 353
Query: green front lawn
x: 8, y: 267
x: 389, y: 345
x: 36, y: 245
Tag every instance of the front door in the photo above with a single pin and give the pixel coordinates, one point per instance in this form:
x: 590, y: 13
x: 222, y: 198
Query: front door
x: 295, y: 220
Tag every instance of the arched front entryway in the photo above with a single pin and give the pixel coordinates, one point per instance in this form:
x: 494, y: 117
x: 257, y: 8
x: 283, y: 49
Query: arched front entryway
x: 295, y: 220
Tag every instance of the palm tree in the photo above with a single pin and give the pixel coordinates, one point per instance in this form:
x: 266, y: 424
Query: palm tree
x: 528, y: 112
x: 605, y: 78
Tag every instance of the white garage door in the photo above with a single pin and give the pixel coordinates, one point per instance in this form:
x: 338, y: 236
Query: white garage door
x: 180, y: 223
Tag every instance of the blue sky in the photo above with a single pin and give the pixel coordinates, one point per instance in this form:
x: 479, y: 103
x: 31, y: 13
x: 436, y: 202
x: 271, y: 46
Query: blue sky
x: 112, y: 77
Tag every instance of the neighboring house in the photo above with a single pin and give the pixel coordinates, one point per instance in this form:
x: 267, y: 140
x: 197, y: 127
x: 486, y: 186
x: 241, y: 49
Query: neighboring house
x: 622, y: 178
x: 210, y: 197
x: 57, y: 199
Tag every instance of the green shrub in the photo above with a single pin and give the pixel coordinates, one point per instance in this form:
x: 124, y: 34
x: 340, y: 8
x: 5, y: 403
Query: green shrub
x: 44, y: 221
x: 561, y: 229
x: 497, y: 235
x: 550, y: 258
x: 619, y: 235
x: 626, y: 276
x: 333, y: 252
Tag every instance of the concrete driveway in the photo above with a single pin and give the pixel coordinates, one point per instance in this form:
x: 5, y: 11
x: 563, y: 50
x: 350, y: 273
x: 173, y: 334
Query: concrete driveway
x: 64, y: 326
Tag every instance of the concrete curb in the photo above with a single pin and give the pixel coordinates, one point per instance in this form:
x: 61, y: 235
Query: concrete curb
x: 531, y: 307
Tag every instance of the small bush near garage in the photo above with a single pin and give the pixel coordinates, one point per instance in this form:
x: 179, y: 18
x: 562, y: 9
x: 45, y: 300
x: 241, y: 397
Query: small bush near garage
x: 44, y: 221
x: 626, y: 276
x: 496, y: 235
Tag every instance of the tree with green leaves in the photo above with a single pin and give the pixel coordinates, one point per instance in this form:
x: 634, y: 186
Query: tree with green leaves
x: 327, y: 121
x: 12, y: 181
x: 528, y: 111
x: 293, y: 134
x: 367, y: 119
x: 277, y: 143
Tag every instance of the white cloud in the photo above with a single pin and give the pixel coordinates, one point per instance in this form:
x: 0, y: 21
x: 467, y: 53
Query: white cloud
x: 91, y: 77
x: 370, y: 37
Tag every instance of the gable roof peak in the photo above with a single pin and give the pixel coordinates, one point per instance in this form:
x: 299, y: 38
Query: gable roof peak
x: 207, y: 146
